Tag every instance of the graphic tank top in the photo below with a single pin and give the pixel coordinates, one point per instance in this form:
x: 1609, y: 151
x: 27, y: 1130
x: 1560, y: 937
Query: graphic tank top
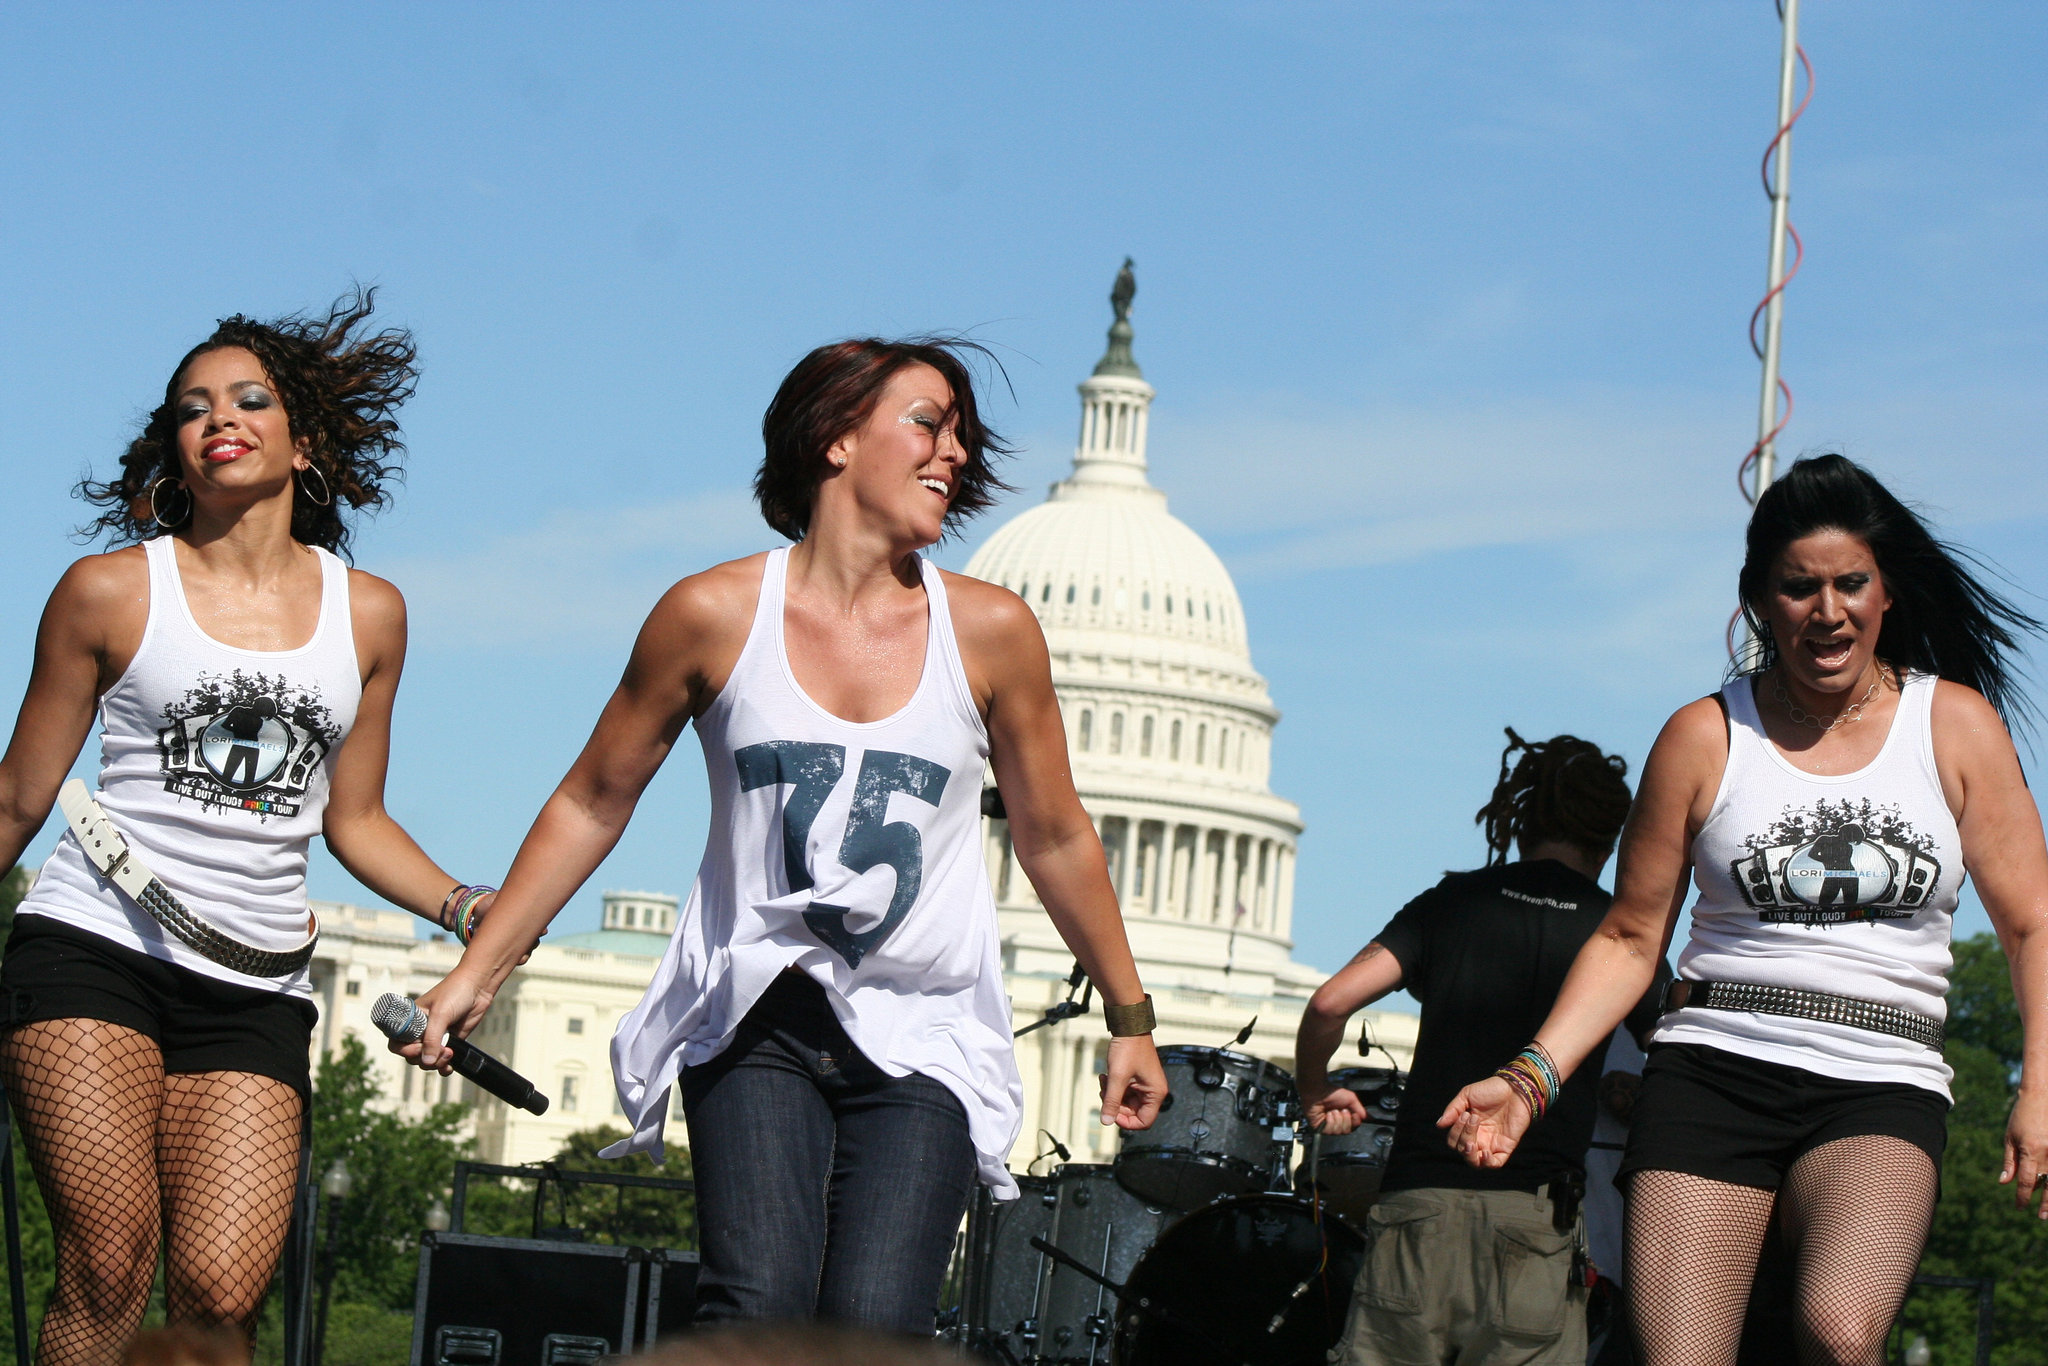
x: 850, y: 851
x: 1843, y: 884
x: 214, y: 765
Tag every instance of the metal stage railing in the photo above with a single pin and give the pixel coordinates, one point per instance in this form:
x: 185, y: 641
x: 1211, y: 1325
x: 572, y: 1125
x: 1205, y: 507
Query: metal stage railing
x: 545, y: 1174
x: 1983, y: 1286
x: 10, y: 1203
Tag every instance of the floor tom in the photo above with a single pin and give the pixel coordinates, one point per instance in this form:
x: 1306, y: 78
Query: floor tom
x: 1027, y: 1307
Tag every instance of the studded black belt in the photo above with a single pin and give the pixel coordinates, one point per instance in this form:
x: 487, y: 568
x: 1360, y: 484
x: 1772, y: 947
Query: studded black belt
x: 119, y: 865
x: 1806, y: 1005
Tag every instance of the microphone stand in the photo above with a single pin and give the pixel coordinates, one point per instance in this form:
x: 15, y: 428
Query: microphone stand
x: 1142, y: 1303
x: 1067, y: 1009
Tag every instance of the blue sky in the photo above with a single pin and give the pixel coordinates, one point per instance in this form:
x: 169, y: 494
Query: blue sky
x: 1444, y: 303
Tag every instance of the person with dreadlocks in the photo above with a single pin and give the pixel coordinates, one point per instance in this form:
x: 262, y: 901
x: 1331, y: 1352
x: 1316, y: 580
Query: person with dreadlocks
x: 1796, y: 1077
x: 1481, y: 1266
x: 155, y: 1006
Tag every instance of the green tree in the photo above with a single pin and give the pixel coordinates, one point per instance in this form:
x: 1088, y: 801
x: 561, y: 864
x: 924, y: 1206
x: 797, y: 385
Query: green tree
x: 1976, y: 1231
x: 400, y: 1169
x: 38, y: 1250
x: 13, y: 888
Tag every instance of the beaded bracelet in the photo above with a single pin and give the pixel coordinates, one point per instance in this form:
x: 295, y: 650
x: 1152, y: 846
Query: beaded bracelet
x: 1534, y: 1075
x: 464, y: 919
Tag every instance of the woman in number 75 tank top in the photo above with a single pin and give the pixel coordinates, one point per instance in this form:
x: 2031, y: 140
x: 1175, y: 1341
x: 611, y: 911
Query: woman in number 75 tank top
x: 1826, y: 804
x: 155, y: 1044
x: 832, y: 1000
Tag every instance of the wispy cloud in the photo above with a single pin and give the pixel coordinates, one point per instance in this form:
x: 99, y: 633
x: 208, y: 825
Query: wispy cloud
x: 580, y: 577
x: 1629, y: 483
x: 1397, y: 483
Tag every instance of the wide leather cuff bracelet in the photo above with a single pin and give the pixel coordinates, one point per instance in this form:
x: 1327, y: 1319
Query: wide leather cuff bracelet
x: 1126, y: 1021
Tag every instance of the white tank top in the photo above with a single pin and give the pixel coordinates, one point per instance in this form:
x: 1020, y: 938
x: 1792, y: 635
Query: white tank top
x: 1844, y: 884
x: 214, y: 765
x: 852, y: 852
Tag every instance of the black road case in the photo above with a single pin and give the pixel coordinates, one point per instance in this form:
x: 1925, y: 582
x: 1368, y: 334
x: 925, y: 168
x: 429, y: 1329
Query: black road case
x: 670, y: 1297
x: 525, y: 1301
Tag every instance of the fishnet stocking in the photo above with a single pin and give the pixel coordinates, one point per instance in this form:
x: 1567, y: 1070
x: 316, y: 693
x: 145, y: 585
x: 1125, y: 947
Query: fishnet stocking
x: 119, y: 1150
x: 227, y: 1158
x: 86, y: 1095
x: 1853, y: 1215
x: 1692, y: 1250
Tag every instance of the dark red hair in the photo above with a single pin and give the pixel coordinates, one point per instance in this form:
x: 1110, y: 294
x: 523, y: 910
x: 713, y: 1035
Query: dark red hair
x: 832, y: 391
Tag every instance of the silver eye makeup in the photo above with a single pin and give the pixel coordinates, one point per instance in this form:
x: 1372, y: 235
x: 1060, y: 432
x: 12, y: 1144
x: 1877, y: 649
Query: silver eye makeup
x: 250, y: 400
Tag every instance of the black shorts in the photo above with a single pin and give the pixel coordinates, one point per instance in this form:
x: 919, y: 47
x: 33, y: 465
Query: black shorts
x: 53, y: 971
x: 1709, y: 1112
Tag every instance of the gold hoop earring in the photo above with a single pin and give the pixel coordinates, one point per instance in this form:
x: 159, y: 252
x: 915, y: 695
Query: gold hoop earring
x: 326, y: 493
x: 156, y: 510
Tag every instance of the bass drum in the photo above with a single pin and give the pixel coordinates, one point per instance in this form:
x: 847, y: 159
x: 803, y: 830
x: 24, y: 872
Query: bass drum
x: 1254, y: 1281
x: 1027, y: 1307
x: 1220, y: 1131
x: 1347, y: 1168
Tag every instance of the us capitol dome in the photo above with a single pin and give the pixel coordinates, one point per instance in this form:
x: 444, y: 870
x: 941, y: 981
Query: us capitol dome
x: 1170, y: 732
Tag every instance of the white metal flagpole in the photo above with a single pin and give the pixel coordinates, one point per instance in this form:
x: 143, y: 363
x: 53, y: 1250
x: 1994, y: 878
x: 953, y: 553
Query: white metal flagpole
x: 1781, y: 200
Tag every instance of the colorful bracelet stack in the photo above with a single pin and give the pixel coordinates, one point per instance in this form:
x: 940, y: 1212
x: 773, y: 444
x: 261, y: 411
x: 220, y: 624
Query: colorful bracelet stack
x: 1534, y: 1076
x: 459, y: 910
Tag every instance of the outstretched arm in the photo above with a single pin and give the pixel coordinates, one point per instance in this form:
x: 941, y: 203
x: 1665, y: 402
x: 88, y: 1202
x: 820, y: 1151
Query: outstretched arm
x: 1054, y: 839
x: 2006, y: 856
x: 1366, y: 978
x: 1487, y: 1119
x: 360, y: 832
x: 665, y: 683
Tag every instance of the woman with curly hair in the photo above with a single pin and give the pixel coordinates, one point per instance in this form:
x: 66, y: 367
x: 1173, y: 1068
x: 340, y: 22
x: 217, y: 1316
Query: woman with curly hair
x: 832, y: 1000
x: 155, y: 1007
x: 1826, y: 804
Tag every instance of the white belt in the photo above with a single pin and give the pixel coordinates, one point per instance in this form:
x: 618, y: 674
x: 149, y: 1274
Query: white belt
x: 119, y: 865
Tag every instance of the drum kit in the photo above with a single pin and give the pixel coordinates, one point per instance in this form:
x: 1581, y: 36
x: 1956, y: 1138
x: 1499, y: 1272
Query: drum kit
x: 1204, y: 1242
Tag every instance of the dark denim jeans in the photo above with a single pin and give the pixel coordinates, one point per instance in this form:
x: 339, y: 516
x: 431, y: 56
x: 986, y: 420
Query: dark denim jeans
x: 825, y: 1187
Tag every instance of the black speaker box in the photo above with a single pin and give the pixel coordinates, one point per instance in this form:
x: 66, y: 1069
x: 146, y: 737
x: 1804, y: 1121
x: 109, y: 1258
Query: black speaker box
x: 525, y: 1302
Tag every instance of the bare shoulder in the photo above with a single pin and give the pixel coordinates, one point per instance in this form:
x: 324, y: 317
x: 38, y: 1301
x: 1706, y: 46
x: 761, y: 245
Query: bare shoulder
x: 716, y: 600
x: 1962, y: 713
x: 1697, y: 727
x: 988, y: 618
x: 695, y: 634
x: 376, y: 612
x: 1968, y: 733
x: 375, y: 602
x: 1688, y: 759
x: 104, y: 586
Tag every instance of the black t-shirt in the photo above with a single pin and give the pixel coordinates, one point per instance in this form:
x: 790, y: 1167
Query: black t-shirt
x: 1486, y: 953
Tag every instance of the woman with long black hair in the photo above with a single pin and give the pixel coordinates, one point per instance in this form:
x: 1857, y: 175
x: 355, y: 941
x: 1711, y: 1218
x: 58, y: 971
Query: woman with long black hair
x: 155, y: 1007
x: 832, y: 1001
x: 1827, y: 804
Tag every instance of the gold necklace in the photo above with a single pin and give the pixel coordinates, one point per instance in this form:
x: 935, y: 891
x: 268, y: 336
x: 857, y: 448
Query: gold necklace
x: 1802, y: 717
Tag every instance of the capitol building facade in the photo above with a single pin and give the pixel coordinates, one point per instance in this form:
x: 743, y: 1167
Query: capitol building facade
x: 1170, y: 731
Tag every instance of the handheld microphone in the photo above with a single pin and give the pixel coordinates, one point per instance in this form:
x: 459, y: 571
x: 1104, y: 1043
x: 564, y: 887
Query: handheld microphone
x: 404, y: 1022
